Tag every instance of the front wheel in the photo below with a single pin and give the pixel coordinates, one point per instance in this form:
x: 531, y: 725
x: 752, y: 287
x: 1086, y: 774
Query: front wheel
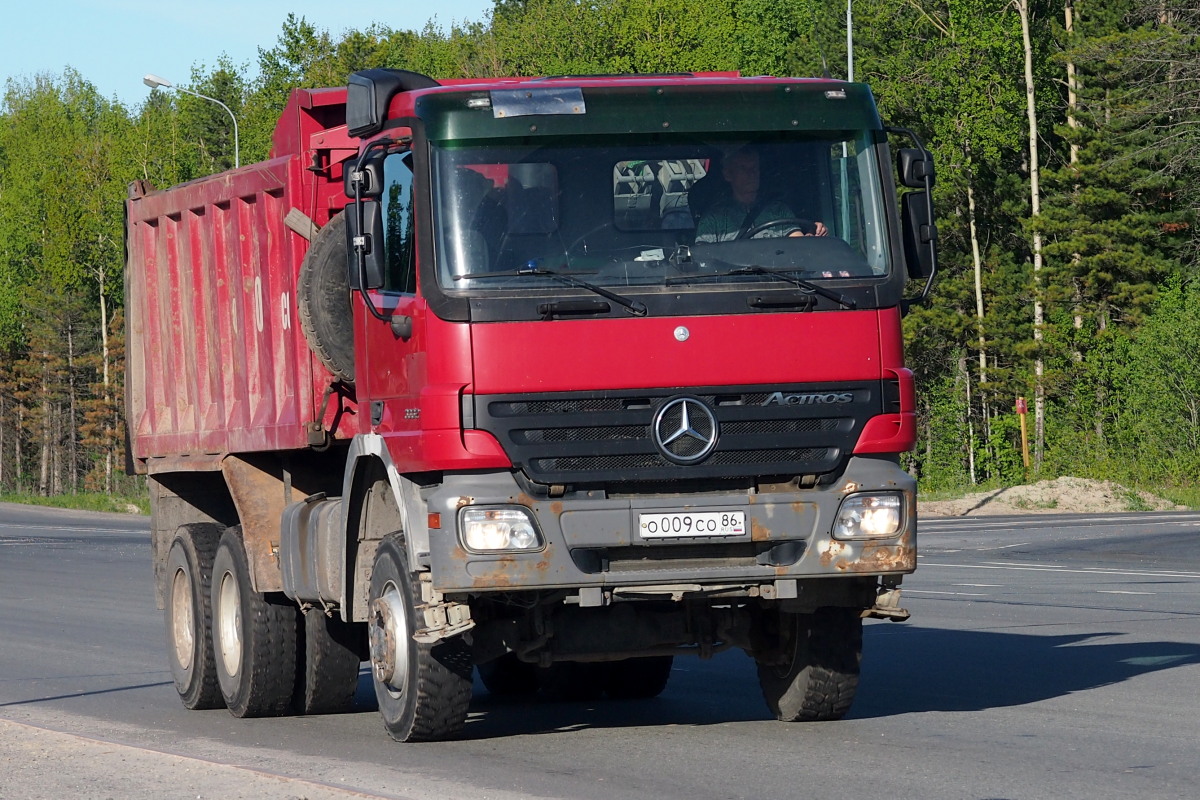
x: 817, y: 676
x: 423, y: 689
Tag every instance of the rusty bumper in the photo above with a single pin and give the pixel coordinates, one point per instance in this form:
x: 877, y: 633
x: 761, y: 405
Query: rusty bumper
x: 592, y: 540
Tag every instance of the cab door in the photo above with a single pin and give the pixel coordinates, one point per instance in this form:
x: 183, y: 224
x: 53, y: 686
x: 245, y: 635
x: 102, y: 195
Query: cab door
x: 391, y: 342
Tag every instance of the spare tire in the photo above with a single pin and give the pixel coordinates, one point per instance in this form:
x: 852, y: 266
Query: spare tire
x: 323, y: 297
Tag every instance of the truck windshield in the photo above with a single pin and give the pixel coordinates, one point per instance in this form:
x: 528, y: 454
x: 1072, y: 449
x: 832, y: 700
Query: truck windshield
x: 674, y: 210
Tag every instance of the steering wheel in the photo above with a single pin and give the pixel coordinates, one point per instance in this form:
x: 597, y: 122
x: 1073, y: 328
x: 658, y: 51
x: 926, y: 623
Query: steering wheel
x: 795, y: 222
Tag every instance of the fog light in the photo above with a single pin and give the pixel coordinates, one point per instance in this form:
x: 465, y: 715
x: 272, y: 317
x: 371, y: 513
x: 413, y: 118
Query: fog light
x: 497, y: 529
x: 869, y: 516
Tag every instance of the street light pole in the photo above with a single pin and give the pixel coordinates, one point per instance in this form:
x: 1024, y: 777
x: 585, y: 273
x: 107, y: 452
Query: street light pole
x: 849, y: 41
x: 155, y: 82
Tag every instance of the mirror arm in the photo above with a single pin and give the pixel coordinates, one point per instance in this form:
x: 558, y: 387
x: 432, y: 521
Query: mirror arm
x: 360, y: 243
x: 932, y: 238
x: 928, y: 204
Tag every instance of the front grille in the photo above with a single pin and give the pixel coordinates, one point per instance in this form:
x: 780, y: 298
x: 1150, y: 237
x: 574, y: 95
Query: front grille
x: 607, y: 438
x: 576, y: 435
x: 689, y: 557
x: 665, y: 558
x: 772, y: 427
x: 541, y: 407
x: 635, y: 461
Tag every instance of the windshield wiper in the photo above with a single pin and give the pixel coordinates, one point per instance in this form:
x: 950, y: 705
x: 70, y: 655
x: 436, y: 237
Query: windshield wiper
x: 636, y: 307
x: 782, y: 274
x: 807, y: 286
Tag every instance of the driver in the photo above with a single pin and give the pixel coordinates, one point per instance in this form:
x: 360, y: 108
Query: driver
x: 741, y: 209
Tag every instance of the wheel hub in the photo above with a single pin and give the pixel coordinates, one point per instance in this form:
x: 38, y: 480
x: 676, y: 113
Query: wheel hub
x: 182, y: 621
x: 389, y: 636
x: 227, y: 624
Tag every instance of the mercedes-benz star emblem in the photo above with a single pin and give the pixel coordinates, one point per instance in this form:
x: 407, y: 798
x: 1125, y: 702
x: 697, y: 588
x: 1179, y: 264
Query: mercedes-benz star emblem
x: 685, y: 430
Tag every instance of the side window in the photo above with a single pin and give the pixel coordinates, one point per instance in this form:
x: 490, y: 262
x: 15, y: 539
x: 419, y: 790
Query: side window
x: 398, y: 225
x: 847, y: 194
x: 857, y: 202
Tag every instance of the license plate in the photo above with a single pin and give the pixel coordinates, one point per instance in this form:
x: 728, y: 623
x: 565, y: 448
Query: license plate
x: 692, y: 523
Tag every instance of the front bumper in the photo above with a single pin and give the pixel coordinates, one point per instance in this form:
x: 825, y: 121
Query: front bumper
x: 592, y: 540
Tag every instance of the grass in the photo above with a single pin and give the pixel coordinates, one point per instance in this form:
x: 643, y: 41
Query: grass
x: 1181, y: 495
x: 85, y: 501
x: 1188, y: 496
x: 957, y: 492
x: 1134, y: 501
x: 1037, y: 505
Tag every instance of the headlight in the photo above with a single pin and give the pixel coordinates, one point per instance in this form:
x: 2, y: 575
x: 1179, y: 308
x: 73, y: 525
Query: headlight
x: 869, y: 516
x: 493, y: 529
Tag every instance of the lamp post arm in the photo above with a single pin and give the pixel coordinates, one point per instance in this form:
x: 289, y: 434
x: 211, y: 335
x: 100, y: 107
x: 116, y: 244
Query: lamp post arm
x: 236, y: 159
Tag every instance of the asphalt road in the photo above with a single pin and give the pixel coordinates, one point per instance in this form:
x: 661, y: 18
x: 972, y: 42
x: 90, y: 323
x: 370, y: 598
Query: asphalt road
x: 1048, y: 657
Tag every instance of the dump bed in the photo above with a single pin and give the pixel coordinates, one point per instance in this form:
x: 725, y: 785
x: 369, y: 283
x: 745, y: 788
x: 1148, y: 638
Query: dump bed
x: 217, y: 362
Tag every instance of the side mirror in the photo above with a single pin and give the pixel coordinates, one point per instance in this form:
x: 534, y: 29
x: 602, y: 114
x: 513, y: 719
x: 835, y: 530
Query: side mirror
x: 920, y: 234
x: 364, y: 245
x: 916, y: 210
x: 365, y: 182
x: 916, y: 166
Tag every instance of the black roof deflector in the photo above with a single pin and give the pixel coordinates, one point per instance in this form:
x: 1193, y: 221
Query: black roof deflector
x: 369, y: 91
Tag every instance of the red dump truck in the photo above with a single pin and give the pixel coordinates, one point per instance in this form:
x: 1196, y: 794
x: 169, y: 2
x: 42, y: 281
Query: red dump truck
x: 520, y: 376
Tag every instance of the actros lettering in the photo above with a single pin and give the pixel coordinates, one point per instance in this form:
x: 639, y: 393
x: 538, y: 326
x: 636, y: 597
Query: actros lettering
x: 818, y: 399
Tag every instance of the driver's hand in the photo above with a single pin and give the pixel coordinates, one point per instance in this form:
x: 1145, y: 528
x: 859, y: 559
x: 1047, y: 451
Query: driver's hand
x: 819, y: 229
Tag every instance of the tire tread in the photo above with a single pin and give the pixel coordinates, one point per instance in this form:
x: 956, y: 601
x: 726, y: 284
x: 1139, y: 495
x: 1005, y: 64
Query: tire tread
x: 442, y: 670
x: 331, y: 665
x: 822, y: 677
x: 323, y: 300
x: 199, y: 542
x: 266, y: 687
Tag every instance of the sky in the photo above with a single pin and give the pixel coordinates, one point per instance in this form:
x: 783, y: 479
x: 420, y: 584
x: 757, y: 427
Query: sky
x: 114, y: 43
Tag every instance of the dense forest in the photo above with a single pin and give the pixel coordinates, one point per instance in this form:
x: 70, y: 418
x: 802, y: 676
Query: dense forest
x: 1067, y: 137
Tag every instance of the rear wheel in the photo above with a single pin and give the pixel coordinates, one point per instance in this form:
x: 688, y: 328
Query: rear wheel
x: 818, y: 674
x: 423, y: 689
x: 331, y: 662
x: 189, y: 615
x: 509, y: 676
x: 638, y: 678
x: 574, y: 681
x: 254, y: 637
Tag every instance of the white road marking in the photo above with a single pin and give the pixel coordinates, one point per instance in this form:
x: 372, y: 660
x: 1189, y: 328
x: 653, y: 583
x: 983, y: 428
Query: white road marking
x: 1026, y: 524
x: 27, y: 528
x: 1093, y: 571
x: 955, y: 594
